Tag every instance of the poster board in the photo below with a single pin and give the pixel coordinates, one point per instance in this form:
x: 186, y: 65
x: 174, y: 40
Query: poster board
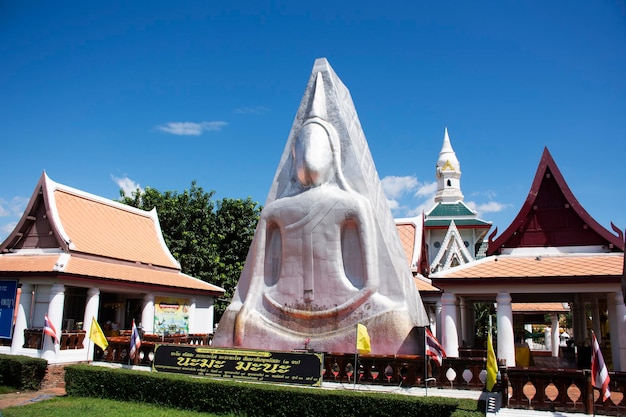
x: 171, y: 315
x: 8, y: 295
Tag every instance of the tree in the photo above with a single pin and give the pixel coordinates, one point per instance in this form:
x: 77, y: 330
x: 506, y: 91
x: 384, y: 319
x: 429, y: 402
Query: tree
x: 210, y: 240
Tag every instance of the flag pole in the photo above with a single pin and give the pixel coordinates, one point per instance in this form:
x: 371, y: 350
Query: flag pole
x: 89, y: 343
x: 356, y: 354
x: 425, y: 363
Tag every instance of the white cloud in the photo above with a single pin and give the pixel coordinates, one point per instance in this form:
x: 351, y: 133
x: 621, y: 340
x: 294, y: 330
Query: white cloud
x: 191, y: 128
x: 395, y: 187
x: 7, y: 228
x: 393, y: 204
x: 3, y: 212
x: 427, y: 190
x: 423, y: 207
x: 127, y: 185
x: 491, y: 207
x: 15, y: 207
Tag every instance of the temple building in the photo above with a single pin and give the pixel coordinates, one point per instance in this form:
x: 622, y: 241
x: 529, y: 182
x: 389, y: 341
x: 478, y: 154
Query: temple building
x: 75, y: 257
x: 448, y: 235
x: 552, y: 252
x: 554, y: 258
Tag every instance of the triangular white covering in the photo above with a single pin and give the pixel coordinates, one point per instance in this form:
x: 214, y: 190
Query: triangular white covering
x: 390, y: 305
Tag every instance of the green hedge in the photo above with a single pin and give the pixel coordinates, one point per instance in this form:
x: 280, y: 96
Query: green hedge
x: 22, y: 372
x: 252, y: 399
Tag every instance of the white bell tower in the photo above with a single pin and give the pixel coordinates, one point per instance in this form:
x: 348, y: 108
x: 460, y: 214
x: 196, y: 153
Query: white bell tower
x: 448, y: 174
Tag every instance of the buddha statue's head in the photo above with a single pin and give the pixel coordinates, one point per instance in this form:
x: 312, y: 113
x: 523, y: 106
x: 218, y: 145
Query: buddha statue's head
x: 313, y: 155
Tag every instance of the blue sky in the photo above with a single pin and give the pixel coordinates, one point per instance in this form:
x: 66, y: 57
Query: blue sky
x: 107, y: 95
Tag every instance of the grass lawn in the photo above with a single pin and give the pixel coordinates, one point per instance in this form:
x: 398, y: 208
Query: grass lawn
x: 7, y: 390
x: 78, y: 406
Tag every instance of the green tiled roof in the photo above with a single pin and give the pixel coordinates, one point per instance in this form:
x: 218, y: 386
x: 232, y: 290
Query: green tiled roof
x: 450, y: 210
x: 458, y: 222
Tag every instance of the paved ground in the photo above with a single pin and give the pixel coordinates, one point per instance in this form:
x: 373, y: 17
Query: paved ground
x: 29, y: 397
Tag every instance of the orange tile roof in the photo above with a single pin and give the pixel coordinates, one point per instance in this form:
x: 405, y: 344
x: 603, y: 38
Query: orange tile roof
x: 99, y: 239
x: 111, y: 229
x: 539, y: 307
x: 94, y: 269
x: 407, y: 239
x: 537, y: 266
x: 141, y: 275
x: 423, y: 285
x: 32, y: 263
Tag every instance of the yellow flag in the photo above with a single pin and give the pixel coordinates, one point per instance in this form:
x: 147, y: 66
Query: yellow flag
x: 362, y: 339
x: 97, y: 335
x: 492, y: 364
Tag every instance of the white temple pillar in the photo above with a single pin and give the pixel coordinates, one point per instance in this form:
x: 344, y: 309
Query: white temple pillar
x: 595, y: 318
x: 617, y: 323
x: 463, y: 320
x: 529, y: 341
x: 450, y: 334
x: 556, y: 340
x: 547, y: 337
x: 438, y: 332
x: 55, y: 315
x: 193, y: 320
x: 432, y: 319
x: 91, y: 312
x: 506, y: 338
x: 147, y: 313
x: 21, y: 321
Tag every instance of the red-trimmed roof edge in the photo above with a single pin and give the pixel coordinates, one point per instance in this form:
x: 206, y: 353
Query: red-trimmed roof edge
x: 548, y: 162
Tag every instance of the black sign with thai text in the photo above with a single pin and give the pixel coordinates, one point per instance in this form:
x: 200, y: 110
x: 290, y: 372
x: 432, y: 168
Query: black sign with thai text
x: 302, y: 368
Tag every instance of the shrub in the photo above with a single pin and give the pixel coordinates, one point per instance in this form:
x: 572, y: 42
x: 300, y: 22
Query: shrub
x: 22, y: 372
x: 253, y: 399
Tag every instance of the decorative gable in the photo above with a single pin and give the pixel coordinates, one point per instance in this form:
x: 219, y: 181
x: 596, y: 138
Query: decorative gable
x: 452, y: 252
x: 552, y: 217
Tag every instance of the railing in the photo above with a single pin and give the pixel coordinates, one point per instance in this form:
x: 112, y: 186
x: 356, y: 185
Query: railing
x: 566, y: 390
x: 405, y: 370
x: 119, y: 347
x: 33, y: 339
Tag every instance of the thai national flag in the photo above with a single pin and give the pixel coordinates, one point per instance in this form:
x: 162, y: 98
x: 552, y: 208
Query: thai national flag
x: 434, y: 348
x: 599, y: 373
x: 135, y: 341
x: 49, y: 329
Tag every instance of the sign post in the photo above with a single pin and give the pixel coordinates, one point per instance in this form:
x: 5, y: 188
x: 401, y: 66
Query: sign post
x: 301, y: 368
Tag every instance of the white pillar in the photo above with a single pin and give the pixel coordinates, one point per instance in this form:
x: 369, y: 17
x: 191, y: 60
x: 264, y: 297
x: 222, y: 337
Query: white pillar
x: 193, y: 320
x: 547, y: 337
x: 438, y: 333
x: 55, y: 315
x: 464, y: 320
x: 618, y: 334
x: 556, y: 340
x: 506, y: 338
x: 450, y: 334
x: 21, y: 321
x: 529, y: 341
x: 91, y: 312
x: 595, y: 318
x: 147, y: 313
x: 432, y: 319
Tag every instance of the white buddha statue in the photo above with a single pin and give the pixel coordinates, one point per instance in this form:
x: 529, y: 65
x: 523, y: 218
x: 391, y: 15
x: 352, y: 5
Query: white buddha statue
x: 315, y: 266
